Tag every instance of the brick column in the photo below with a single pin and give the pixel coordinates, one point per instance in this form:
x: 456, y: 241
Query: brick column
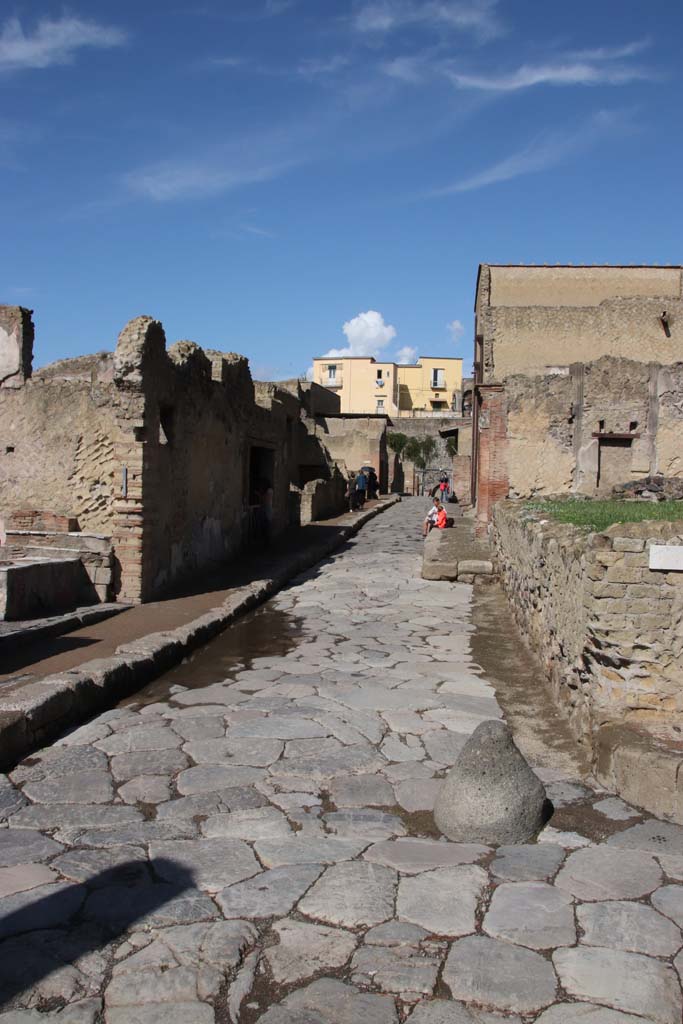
x: 492, y: 471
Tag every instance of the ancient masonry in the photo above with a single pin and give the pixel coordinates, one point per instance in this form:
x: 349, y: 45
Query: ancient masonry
x: 148, y: 464
x: 578, y: 380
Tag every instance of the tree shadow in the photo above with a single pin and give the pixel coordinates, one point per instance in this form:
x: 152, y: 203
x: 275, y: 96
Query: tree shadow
x: 46, y: 935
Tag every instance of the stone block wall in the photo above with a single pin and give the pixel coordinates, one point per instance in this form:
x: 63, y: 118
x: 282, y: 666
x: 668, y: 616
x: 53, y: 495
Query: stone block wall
x: 357, y: 441
x: 167, y: 453
x: 323, y: 499
x: 96, y: 554
x: 608, y: 629
x: 58, y: 442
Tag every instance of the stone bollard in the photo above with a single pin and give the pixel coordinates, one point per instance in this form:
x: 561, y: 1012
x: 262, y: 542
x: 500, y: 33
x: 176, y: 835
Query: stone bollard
x: 491, y: 795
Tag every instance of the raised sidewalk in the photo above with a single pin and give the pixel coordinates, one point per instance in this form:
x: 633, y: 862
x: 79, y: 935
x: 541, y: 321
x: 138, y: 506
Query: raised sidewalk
x: 58, y: 682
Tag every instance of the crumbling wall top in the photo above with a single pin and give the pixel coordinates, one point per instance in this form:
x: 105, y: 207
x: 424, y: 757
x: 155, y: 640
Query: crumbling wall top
x: 141, y: 344
x: 16, y: 346
x: 189, y: 358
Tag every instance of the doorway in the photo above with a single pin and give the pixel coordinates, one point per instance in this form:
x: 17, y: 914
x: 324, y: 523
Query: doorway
x: 614, y: 462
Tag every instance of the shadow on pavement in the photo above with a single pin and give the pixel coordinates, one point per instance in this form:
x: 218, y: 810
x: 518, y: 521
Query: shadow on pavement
x: 46, y: 935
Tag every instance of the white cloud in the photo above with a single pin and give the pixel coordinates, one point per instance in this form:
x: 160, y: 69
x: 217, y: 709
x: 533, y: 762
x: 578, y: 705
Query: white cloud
x: 52, y: 42
x: 367, y: 334
x: 406, y: 355
x: 253, y: 229
x: 405, y: 69
x: 381, y: 16
x: 313, y: 66
x: 602, y: 66
x: 194, y: 179
x: 222, y: 62
x: 457, y: 329
x: 545, y: 151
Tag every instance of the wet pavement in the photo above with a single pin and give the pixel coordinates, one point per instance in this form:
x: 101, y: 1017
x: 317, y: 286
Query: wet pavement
x: 250, y: 838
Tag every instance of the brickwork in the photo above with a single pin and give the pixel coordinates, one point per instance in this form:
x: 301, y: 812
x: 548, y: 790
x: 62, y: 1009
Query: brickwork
x: 29, y: 519
x: 492, y: 470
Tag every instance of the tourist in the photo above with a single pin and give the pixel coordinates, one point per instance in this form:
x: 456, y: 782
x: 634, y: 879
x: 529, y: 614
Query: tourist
x: 443, y: 485
x: 373, y: 484
x: 441, y: 518
x: 431, y: 517
x: 361, y: 487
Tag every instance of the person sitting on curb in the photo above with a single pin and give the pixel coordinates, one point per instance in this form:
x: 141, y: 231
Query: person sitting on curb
x: 431, y: 517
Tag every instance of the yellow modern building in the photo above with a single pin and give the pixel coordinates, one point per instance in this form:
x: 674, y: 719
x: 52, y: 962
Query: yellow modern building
x: 430, y: 387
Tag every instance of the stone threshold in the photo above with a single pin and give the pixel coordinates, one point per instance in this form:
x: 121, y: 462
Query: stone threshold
x: 35, y: 712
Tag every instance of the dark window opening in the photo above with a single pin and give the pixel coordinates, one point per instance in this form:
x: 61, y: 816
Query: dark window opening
x: 633, y: 425
x: 601, y: 425
x: 379, y: 375
x: 9, y: 449
x: 261, y: 467
x: 166, y: 424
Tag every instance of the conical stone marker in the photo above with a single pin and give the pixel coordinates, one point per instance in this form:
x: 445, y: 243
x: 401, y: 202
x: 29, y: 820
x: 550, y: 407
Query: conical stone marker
x: 491, y: 795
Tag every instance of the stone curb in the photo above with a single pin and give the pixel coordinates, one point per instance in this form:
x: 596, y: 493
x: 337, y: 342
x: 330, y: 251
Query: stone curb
x: 58, y: 625
x: 32, y: 714
x: 631, y: 763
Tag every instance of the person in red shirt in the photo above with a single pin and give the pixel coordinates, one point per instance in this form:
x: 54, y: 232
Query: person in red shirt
x: 441, y: 518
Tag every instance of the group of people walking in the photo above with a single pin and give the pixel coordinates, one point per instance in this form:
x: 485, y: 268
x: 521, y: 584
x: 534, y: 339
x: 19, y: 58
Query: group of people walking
x: 363, y: 487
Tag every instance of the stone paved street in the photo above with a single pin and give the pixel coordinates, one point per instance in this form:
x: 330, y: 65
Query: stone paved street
x: 259, y: 848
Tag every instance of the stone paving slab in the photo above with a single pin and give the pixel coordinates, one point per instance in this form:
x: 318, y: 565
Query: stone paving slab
x: 260, y: 846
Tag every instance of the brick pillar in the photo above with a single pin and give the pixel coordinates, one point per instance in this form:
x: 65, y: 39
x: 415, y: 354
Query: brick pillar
x: 492, y: 471
x: 129, y: 522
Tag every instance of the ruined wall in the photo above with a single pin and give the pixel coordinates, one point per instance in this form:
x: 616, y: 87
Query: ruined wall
x: 556, y: 424
x: 57, y: 449
x: 669, y: 420
x: 166, y: 452
x: 186, y: 417
x: 357, y: 441
x: 323, y: 499
x: 533, y: 339
x: 606, y: 627
x: 534, y: 319
x: 579, y: 286
x: 16, y: 346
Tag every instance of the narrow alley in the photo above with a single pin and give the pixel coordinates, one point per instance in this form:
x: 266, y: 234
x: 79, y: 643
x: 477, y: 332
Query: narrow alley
x: 250, y: 839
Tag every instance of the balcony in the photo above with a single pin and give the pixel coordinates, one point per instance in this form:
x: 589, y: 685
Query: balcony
x: 335, y: 383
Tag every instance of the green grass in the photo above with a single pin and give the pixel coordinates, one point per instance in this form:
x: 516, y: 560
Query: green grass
x: 598, y: 515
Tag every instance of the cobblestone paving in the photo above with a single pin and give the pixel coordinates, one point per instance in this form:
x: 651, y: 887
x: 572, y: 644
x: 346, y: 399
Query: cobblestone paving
x: 260, y: 849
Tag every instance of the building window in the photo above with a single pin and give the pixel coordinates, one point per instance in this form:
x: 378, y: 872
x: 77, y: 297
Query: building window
x: 379, y: 375
x: 331, y: 372
x: 380, y: 407
x: 438, y: 378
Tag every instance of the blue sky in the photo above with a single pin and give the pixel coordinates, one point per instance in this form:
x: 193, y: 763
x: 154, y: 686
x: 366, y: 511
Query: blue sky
x: 286, y: 177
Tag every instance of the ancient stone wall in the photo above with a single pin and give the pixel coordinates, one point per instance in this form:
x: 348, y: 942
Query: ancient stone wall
x: 584, y: 430
x: 607, y: 628
x: 57, y: 449
x: 16, y: 346
x: 169, y: 453
x: 357, y: 441
x: 323, y: 499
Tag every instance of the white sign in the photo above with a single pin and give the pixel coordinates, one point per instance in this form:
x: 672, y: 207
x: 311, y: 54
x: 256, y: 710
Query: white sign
x: 667, y: 556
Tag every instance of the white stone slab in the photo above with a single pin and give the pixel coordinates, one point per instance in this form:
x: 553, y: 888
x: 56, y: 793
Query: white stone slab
x: 667, y: 556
